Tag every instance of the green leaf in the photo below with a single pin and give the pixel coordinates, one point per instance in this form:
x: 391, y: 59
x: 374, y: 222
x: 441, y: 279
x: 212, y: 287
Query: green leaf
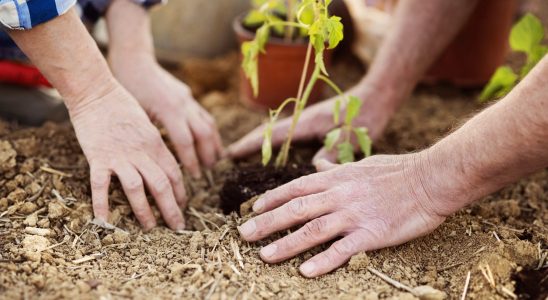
x: 345, y: 152
x: 526, y: 34
x: 250, y: 52
x: 334, y: 29
x: 337, y: 111
x: 332, y: 138
x: 254, y: 18
x: 536, y: 54
x: 364, y: 140
x: 266, y: 149
x: 501, y: 83
x: 262, y: 35
x: 305, y: 15
x: 352, y: 109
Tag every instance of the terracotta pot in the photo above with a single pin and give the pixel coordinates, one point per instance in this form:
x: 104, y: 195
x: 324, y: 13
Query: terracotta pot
x: 479, y: 48
x: 280, y: 71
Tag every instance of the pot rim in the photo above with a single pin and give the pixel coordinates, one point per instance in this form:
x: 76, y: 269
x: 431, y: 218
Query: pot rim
x: 242, y: 32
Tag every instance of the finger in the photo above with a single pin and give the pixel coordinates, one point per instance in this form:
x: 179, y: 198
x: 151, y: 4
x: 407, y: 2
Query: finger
x: 324, y: 154
x: 297, y: 211
x: 99, y: 181
x: 335, y: 256
x: 160, y: 187
x: 132, y: 183
x: 169, y: 165
x: 216, y: 136
x: 323, y: 165
x: 253, y: 141
x: 313, y: 233
x: 204, y: 139
x: 183, y: 141
x: 306, y: 185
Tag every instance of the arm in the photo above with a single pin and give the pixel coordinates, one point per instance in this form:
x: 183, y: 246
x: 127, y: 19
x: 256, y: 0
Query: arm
x: 421, y: 31
x: 131, y: 56
x: 388, y: 200
x: 114, y: 132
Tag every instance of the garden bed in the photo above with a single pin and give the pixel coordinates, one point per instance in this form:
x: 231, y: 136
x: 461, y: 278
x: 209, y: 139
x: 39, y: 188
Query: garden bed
x: 44, y: 184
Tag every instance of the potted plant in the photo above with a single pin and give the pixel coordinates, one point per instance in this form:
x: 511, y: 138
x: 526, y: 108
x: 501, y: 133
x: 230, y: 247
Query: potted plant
x: 281, y: 60
x: 323, y: 32
x: 526, y: 37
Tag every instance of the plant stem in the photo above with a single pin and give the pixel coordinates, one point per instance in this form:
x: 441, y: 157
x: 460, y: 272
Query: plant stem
x: 281, y: 160
x: 290, y: 18
x: 305, y: 70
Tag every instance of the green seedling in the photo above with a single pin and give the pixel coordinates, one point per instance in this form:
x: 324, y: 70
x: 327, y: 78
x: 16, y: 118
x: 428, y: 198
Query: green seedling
x: 526, y: 37
x: 312, y: 20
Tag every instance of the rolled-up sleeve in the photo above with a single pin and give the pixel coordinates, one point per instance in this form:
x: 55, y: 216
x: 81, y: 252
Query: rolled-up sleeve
x: 92, y: 10
x: 25, y: 14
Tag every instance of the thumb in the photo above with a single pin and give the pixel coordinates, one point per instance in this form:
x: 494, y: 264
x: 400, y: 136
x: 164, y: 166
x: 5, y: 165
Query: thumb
x: 325, y: 160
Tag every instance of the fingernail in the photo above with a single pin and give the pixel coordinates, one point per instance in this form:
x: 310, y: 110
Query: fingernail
x: 269, y: 250
x: 248, y: 228
x: 308, y: 268
x: 181, y: 227
x: 258, y: 205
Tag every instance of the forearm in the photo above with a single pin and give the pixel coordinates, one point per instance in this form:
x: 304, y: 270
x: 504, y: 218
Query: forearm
x: 498, y: 146
x: 67, y: 55
x: 421, y: 31
x: 129, y: 31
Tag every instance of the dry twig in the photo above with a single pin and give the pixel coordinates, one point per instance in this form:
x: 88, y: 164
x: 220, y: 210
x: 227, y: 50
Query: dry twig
x: 466, y: 284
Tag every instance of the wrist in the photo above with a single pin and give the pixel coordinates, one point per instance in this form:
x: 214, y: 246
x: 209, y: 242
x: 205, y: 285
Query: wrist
x: 96, y: 90
x: 386, y: 96
x: 444, y: 189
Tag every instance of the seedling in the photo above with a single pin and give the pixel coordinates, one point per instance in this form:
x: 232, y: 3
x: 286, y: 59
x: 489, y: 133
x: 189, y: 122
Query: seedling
x: 311, y: 18
x: 526, y: 37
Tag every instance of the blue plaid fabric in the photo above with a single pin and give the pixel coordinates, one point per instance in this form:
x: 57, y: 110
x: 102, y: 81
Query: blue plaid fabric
x: 25, y: 14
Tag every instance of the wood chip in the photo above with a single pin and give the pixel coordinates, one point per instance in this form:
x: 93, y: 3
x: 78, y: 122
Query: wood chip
x: 466, y: 284
x: 55, y: 172
x: 88, y: 258
x: 38, y: 231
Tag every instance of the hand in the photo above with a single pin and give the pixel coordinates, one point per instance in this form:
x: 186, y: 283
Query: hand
x: 117, y: 137
x: 317, y: 120
x: 190, y: 127
x: 374, y: 203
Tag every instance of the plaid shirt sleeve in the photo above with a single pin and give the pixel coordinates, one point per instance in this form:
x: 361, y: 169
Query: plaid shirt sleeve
x: 25, y: 14
x: 92, y: 10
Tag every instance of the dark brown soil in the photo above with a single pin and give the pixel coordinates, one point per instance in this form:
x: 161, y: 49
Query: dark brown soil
x: 246, y: 182
x: 532, y: 284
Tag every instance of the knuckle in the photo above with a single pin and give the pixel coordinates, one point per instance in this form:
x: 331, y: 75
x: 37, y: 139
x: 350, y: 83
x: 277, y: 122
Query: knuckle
x: 186, y: 142
x: 344, y: 248
x: 134, y: 184
x: 297, y: 188
x: 161, y: 184
x: 264, y: 222
x: 314, y: 228
x: 99, y: 181
x: 204, y: 132
x: 297, y: 208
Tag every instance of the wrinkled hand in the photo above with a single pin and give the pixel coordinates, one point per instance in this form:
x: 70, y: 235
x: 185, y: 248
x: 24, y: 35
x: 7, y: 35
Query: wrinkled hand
x: 190, y: 127
x: 372, y: 204
x: 317, y: 120
x: 117, y: 137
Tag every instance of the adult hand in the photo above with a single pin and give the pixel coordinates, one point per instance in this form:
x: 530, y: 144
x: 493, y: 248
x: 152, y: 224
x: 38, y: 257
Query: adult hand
x: 378, y: 202
x: 317, y: 120
x: 190, y: 127
x: 117, y: 137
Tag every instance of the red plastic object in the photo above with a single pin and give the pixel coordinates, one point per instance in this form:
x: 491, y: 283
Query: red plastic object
x: 20, y: 74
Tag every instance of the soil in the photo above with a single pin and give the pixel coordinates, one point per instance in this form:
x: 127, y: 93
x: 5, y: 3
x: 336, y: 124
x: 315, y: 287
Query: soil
x: 50, y: 248
x: 246, y: 182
